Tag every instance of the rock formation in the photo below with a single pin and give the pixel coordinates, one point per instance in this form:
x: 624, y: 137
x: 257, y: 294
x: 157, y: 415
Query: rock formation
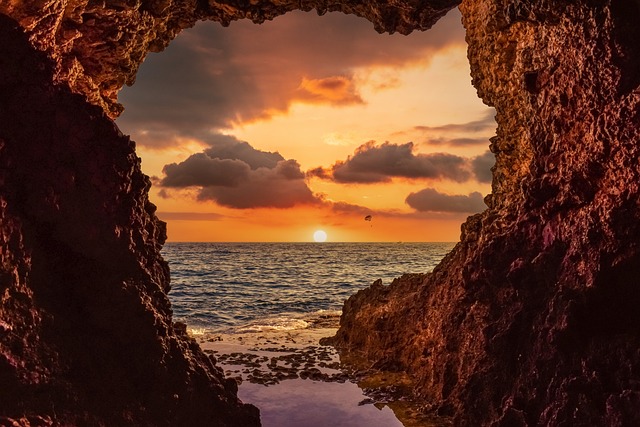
x: 86, y: 336
x: 86, y: 331
x: 532, y: 319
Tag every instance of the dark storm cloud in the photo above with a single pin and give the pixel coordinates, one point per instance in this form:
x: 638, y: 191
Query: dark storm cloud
x: 236, y: 175
x: 280, y: 187
x: 201, y: 170
x: 189, y: 86
x: 229, y: 147
x: 373, y: 163
x: 211, y: 77
x: 430, y: 200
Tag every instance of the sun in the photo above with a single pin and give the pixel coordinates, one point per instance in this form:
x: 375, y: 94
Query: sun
x: 320, y: 236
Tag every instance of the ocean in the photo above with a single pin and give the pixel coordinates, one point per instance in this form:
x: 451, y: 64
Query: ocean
x: 253, y: 287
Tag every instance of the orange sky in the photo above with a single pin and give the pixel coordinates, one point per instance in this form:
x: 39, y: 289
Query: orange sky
x: 362, y: 124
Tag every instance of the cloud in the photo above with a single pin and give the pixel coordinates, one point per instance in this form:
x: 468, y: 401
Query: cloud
x: 236, y: 175
x: 373, y: 163
x: 202, y: 170
x: 458, y: 142
x: 211, y: 77
x: 482, y: 165
x: 473, y: 133
x: 485, y: 124
x: 229, y: 147
x: 336, y: 90
x: 430, y: 200
x: 351, y: 209
x: 280, y: 187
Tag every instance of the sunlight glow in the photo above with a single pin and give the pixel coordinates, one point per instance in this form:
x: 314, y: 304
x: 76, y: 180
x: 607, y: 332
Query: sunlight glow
x: 320, y: 236
x: 252, y: 157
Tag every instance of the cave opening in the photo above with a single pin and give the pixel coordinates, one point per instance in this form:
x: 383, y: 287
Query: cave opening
x: 392, y: 125
x: 85, y: 306
x: 269, y: 133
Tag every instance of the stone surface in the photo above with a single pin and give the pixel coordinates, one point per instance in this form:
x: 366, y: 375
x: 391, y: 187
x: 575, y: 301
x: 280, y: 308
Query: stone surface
x: 86, y: 331
x: 86, y: 336
x: 531, y: 320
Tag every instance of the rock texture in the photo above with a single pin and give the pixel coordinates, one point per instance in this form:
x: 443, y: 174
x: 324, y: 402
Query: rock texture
x: 533, y: 318
x: 86, y: 336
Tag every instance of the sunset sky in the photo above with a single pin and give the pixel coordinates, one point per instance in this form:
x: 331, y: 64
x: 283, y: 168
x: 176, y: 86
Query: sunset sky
x: 271, y: 132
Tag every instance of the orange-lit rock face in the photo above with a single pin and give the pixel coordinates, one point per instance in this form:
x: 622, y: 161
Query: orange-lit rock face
x: 531, y: 319
x: 86, y: 336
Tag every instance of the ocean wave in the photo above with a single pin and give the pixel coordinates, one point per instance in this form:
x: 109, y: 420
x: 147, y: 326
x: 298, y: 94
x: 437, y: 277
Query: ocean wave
x: 261, y: 285
x: 281, y: 323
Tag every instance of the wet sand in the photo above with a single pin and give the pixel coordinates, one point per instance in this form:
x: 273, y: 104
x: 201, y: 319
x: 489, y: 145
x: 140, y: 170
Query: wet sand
x: 296, y: 382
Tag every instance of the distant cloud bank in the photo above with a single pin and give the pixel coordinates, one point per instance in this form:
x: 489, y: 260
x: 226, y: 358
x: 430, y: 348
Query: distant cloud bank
x: 430, y: 200
x: 373, y: 163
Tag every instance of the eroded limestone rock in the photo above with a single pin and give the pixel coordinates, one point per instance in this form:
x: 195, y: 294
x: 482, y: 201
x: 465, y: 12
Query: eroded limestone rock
x: 86, y: 336
x: 98, y: 45
x: 86, y: 332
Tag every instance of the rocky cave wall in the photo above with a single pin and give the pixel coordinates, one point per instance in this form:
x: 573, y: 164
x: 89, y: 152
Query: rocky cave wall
x: 530, y: 320
x: 86, y: 336
x: 533, y: 318
x: 98, y: 45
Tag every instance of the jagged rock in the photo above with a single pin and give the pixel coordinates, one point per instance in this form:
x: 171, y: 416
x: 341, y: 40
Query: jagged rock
x: 98, y: 45
x: 533, y: 318
x: 85, y: 323
x: 86, y: 334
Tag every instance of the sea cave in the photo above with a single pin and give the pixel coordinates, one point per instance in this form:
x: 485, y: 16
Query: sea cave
x: 531, y: 320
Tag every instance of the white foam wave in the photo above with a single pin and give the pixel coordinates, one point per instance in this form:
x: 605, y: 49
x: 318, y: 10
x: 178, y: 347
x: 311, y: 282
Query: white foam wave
x: 196, y: 332
x: 329, y: 313
x: 275, y: 324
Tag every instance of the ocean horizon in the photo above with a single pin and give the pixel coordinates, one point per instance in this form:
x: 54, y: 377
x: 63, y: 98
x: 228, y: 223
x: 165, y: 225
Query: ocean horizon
x: 265, y: 286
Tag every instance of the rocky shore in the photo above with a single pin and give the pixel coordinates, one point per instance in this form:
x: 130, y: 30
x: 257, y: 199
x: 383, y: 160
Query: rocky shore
x: 272, y: 367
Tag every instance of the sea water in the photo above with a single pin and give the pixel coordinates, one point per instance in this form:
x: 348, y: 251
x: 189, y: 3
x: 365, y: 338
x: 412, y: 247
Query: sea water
x: 239, y: 287
x: 262, y: 300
